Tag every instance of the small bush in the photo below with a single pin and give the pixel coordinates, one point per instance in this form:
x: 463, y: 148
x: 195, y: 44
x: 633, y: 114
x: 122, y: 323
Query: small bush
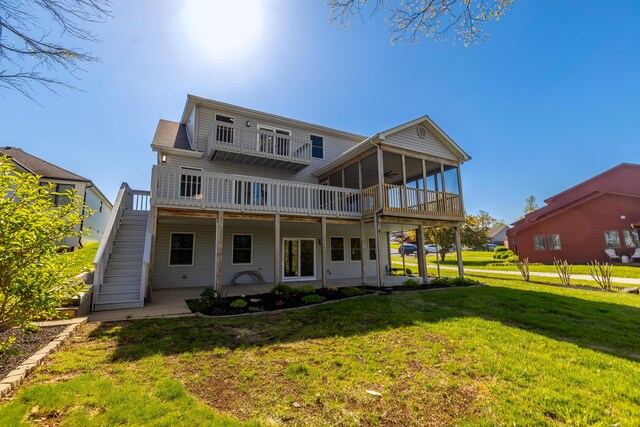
x: 506, y: 254
x: 304, y: 290
x: 498, y: 249
x: 29, y: 328
x: 208, y: 298
x: 454, y: 281
x: 412, y: 283
x: 313, y: 299
x: 255, y: 309
x: 333, y: 289
x: 283, y: 290
x: 6, y: 344
x: 239, y: 303
x: 352, y: 292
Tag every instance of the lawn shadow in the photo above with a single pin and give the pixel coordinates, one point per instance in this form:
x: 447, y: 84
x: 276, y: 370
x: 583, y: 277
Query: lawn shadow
x: 601, y: 326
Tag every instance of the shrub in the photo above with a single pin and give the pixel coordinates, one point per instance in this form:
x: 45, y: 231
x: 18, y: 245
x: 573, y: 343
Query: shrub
x: 523, y: 266
x: 208, y: 298
x: 281, y: 289
x: 454, y: 281
x: 563, y: 268
x: 498, y: 249
x: 601, y: 273
x: 304, y: 290
x: 6, y: 344
x: 32, y: 280
x: 29, y: 328
x: 255, y: 309
x: 412, y: 283
x: 506, y: 254
x: 352, y: 292
x: 313, y: 299
x: 239, y: 303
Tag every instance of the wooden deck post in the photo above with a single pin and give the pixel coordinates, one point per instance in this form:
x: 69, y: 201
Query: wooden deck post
x: 363, y: 251
x: 219, y: 246
x: 459, y: 253
x: 153, y: 217
x: 325, y: 245
x: 277, y: 254
x: 422, y: 262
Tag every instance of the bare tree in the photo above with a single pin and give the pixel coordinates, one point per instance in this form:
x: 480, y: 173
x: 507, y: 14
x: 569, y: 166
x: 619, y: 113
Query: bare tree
x: 36, y: 38
x: 409, y: 20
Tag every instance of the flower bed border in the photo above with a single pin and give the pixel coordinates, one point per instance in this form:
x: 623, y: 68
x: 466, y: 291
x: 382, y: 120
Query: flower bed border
x: 14, y: 378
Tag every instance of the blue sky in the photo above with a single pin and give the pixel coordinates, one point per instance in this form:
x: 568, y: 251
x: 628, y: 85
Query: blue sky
x: 552, y: 98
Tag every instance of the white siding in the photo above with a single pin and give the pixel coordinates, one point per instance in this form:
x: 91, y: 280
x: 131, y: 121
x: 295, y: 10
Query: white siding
x: 202, y: 272
x: 409, y: 139
x: 334, y: 146
x: 97, y: 222
x: 191, y: 124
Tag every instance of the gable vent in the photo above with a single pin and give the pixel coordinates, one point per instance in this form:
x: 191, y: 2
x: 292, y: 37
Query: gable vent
x: 422, y: 132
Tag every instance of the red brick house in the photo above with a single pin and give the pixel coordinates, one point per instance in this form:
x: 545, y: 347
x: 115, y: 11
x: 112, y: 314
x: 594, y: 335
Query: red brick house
x: 581, y: 222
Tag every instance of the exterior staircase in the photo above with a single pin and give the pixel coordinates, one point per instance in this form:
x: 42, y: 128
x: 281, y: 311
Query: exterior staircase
x: 121, y: 266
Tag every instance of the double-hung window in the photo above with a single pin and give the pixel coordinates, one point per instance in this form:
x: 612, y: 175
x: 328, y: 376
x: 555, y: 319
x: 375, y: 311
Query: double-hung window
x: 554, y: 242
x: 539, y: 242
x: 191, y: 182
x: 182, y: 245
x: 372, y: 249
x: 337, y: 249
x: 317, y: 147
x: 612, y: 239
x: 242, y: 244
x: 631, y: 238
x: 356, y: 249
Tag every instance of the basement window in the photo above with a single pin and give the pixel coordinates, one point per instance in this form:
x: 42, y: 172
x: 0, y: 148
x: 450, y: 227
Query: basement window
x: 181, y: 249
x: 554, y: 242
x: 539, y: 242
x: 631, y: 239
x: 356, y: 250
x: 242, y: 244
x: 612, y: 239
x: 337, y: 249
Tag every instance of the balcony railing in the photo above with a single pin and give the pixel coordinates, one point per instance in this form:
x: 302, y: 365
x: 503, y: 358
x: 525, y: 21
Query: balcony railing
x: 207, y: 190
x: 413, y: 201
x: 259, y: 143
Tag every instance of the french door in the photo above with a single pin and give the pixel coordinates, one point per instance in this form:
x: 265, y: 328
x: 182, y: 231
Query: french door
x: 299, y: 259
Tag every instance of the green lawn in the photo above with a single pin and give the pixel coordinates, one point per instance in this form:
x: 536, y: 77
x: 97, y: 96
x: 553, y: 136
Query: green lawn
x: 79, y: 260
x: 512, y: 353
x: 479, y: 260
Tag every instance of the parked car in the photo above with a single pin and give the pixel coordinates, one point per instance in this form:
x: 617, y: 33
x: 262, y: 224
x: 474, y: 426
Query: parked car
x: 490, y: 246
x: 407, y: 248
x: 431, y: 249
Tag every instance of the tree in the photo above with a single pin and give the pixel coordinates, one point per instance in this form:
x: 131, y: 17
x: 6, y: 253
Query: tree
x: 530, y: 204
x: 30, y: 56
x: 437, y: 19
x: 32, y: 281
x: 443, y: 237
x: 473, y: 232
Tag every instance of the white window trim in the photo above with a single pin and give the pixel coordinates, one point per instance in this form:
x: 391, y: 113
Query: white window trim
x: 193, y: 251
x: 273, y: 129
x: 350, y: 259
x: 233, y: 248
x: 375, y: 249
x: 546, y: 245
x: 344, y: 249
x: 311, y: 142
x: 559, y: 241
x: 315, y: 266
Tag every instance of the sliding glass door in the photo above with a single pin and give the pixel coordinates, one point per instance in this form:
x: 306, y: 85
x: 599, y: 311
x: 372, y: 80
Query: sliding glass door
x: 299, y: 259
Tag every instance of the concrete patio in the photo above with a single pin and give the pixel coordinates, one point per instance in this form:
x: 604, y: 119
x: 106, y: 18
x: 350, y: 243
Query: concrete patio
x: 172, y: 302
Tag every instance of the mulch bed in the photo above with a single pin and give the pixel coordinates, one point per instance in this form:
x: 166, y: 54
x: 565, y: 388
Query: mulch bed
x: 24, y: 346
x: 271, y: 301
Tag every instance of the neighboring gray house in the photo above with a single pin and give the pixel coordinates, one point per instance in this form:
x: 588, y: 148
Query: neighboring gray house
x: 63, y: 181
x: 237, y: 190
x: 498, y: 234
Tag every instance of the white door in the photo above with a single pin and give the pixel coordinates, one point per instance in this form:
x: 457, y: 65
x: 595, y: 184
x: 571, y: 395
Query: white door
x: 299, y: 259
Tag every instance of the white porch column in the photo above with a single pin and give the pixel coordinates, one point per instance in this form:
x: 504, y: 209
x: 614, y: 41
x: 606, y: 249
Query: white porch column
x: 325, y: 245
x: 219, y: 246
x: 422, y: 262
x: 363, y: 251
x: 277, y: 257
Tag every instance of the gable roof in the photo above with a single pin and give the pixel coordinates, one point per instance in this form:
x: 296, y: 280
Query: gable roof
x: 38, y: 166
x: 171, y: 135
x: 496, y: 229
x: 380, y: 137
x: 622, y: 180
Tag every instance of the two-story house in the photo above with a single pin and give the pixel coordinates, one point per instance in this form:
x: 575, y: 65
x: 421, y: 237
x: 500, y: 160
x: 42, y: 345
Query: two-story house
x: 237, y: 191
x: 64, y: 180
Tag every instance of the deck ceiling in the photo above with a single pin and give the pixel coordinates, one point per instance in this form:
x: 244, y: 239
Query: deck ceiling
x: 257, y: 161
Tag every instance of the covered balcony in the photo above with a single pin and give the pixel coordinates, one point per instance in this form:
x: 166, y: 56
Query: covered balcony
x: 191, y: 189
x: 264, y: 147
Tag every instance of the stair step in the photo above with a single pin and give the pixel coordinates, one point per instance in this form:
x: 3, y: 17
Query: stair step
x: 122, y: 278
x: 103, y: 306
x: 124, y: 263
x: 121, y: 271
x: 120, y: 287
x: 118, y: 296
